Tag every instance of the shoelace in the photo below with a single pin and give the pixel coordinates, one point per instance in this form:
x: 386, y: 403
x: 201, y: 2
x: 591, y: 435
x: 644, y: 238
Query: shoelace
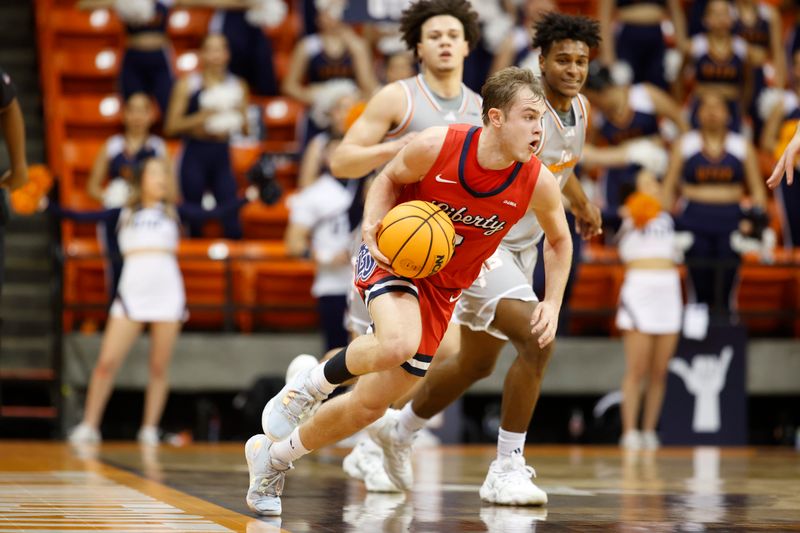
x: 298, y: 405
x: 272, y: 484
x: 524, y: 471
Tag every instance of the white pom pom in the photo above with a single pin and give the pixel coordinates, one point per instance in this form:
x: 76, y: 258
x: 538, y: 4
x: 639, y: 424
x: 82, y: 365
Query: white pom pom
x: 648, y: 155
x: 495, y: 31
x: 269, y: 13
x: 208, y: 202
x: 223, y: 96
x: 768, y: 100
x: 116, y: 193
x: 621, y: 73
x: 326, y: 97
x: 225, y: 122
x: 135, y: 12
x: 672, y: 65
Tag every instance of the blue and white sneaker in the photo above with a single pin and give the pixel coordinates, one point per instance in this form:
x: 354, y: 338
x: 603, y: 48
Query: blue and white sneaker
x: 266, y: 477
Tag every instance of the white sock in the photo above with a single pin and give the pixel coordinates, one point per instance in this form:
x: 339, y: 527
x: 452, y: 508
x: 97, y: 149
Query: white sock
x: 409, y: 423
x: 289, y: 450
x: 318, y: 379
x: 510, y: 443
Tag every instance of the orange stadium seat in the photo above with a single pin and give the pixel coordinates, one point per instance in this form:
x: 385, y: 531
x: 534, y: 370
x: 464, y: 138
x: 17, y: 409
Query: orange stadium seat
x: 285, y: 286
x: 187, y: 27
x: 73, y: 29
x: 84, y: 72
x: 84, y: 283
x: 596, y: 289
x: 261, y: 221
x: 283, y: 118
x: 765, y: 289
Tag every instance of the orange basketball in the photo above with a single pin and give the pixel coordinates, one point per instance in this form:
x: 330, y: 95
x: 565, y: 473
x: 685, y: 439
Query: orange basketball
x: 418, y: 239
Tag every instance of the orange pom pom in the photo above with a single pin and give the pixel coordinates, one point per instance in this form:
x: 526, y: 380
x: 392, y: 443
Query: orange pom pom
x: 26, y: 199
x: 353, y: 113
x: 642, y: 208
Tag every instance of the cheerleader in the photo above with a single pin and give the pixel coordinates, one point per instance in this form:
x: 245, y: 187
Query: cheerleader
x: 206, y: 109
x: 115, y: 162
x: 150, y: 292
x: 650, y: 307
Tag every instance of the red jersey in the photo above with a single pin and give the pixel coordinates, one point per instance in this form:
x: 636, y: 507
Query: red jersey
x: 483, y: 204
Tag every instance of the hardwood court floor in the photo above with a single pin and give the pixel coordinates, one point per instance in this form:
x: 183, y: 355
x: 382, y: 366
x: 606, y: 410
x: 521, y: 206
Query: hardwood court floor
x: 200, y: 488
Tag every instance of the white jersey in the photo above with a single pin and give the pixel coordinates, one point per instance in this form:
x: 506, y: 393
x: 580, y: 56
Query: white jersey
x: 425, y: 110
x: 559, y: 150
x: 149, y: 228
x: 323, y: 208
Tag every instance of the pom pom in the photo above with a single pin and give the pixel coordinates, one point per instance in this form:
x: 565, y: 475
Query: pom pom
x: 642, y: 208
x: 673, y: 60
x: 135, y: 12
x: 27, y: 198
x: 116, y: 193
x: 221, y: 97
x: 768, y: 100
x: 225, y: 122
x: 268, y: 13
x: 326, y: 97
x: 353, y: 113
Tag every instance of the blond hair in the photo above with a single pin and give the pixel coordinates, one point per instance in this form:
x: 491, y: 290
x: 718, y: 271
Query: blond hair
x: 502, y: 87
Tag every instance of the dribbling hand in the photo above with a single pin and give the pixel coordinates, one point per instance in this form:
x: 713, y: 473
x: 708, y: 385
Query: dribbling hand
x: 544, y: 322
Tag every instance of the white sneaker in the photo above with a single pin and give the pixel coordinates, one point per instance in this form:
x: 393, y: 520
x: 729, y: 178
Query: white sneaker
x: 294, y: 403
x: 396, y: 454
x: 425, y: 438
x: 148, y: 436
x: 650, y: 440
x: 83, y: 434
x: 631, y: 440
x: 299, y: 364
x: 509, y: 483
x: 365, y: 462
x: 266, y: 481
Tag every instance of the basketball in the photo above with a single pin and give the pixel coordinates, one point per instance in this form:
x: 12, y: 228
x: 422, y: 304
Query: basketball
x: 417, y: 238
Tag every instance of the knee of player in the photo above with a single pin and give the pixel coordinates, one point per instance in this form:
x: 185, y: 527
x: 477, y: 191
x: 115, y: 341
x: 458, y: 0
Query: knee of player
x: 399, y: 349
x: 364, y: 415
x: 531, y: 352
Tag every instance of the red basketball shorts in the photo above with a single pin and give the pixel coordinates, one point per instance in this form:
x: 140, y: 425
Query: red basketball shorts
x: 436, y: 305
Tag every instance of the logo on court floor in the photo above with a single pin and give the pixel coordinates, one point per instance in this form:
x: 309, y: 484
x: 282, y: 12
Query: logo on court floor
x: 365, y: 265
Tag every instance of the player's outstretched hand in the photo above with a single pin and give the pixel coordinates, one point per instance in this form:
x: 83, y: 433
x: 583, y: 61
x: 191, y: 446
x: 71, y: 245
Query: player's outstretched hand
x: 785, y: 164
x: 369, y: 232
x: 589, y: 221
x: 544, y: 322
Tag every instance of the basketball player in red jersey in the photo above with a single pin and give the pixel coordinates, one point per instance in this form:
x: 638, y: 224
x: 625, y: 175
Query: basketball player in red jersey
x: 486, y: 179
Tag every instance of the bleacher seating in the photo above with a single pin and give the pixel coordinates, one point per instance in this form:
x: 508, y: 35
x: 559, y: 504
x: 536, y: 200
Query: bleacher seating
x: 80, y: 54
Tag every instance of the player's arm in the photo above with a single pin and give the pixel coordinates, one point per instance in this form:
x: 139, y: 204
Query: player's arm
x: 589, y: 218
x: 409, y: 166
x: 297, y: 239
x: 13, y: 128
x: 361, y: 151
x: 546, y: 205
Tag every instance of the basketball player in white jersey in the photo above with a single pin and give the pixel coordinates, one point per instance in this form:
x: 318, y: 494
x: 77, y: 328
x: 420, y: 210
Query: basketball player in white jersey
x: 498, y: 306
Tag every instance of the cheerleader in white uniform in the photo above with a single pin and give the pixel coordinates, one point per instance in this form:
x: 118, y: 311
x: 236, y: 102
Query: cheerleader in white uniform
x: 150, y: 291
x: 650, y: 308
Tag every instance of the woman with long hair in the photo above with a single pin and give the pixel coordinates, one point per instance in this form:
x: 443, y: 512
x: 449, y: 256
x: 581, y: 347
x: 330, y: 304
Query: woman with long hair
x: 150, y: 292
